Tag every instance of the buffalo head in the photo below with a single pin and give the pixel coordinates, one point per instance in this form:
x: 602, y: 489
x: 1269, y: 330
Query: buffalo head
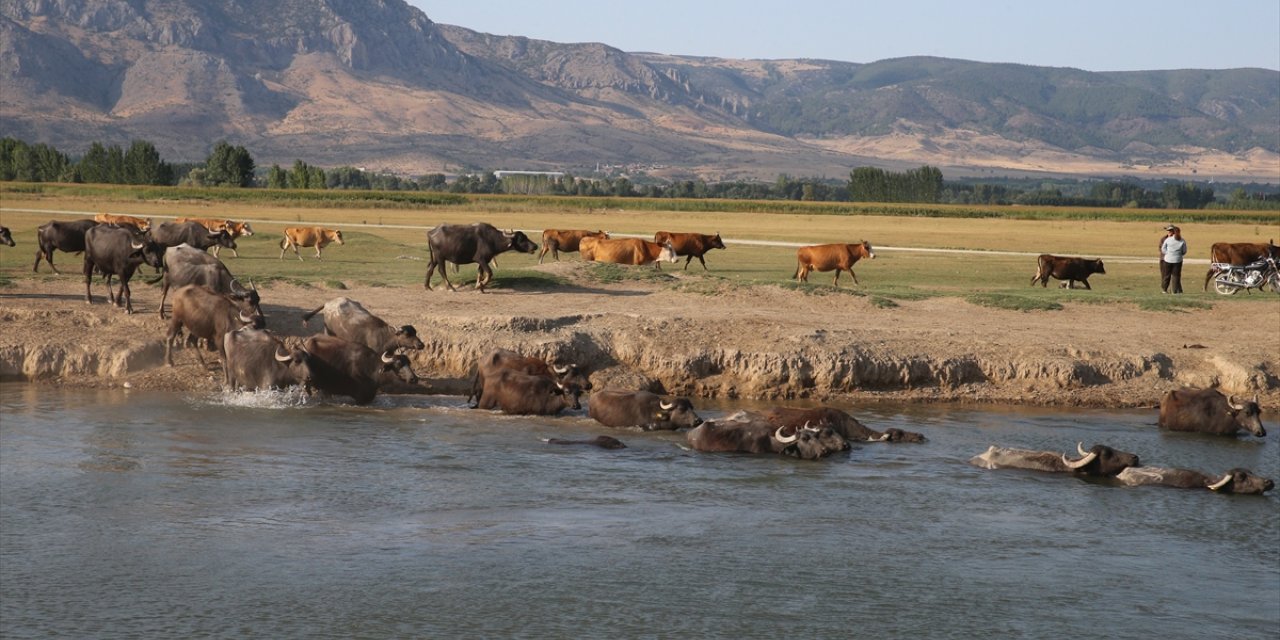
x: 520, y: 242
x: 398, y: 364
x: 1242, y: 481
x: 1100, y: 460
x: 1247, y: 414
x: 810, y: 443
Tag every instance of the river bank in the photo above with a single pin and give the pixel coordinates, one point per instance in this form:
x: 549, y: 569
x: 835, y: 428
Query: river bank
x: 758, y: 342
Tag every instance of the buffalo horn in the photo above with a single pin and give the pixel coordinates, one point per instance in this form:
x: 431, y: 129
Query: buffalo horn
x: 1088, y: 457
x: 666, y: 406
x: 882, y: 438
x: 244, y: 319
x: 387, y: 356
x: 137, y: 246
x: 1231, y: 402
x: 285, y: 358
x: 1217, y: 486
x: 777, y: 435
x: 560, y: 370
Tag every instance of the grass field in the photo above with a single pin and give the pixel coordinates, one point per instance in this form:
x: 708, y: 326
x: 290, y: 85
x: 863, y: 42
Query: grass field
x: 384, y: 250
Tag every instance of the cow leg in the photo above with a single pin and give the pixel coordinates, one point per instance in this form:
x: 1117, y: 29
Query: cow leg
x: 483, y: 275
x: 704, y: 263
x: 546, y: 246
x: 127, y: 293
x: 88, y: 278
x: 175, y: 327
x: 164, y: 293
x: 216, y: 248
x: 855, y: 277
x: 1085, y: 282
x: 431, y: 267
x: 690, y: 259
x: 836, y: 281
x: 317, y: 252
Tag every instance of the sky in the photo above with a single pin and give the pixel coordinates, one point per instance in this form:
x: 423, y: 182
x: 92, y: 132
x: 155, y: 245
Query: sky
x: 1096, y: 35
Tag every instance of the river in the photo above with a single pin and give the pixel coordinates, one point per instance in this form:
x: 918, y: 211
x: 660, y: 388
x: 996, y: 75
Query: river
x: 153, y: 515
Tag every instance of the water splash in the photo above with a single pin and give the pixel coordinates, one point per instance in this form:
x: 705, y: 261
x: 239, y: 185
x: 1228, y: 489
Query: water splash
x: 291, y: 398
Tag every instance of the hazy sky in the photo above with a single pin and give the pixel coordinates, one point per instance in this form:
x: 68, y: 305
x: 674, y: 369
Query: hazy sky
x: 1098, y: 35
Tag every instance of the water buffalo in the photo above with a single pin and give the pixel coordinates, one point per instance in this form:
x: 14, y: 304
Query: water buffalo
x: 6, y: 238
x: 349, y: 320
x: 63, y: 236
x: 567, y: 374
x: 1242, y: 481
x: 207, y: 314
x: 1071, y: 270
x: 257, y: 359
x: 1208, y: 411
x: 214, y: 225
x: 117, y: 251
x: 184, y: 265
x: 846, y: 425
x: 826, y: 257
x: 649, y: 411
x: 343, y: 368
x: 477, y: 244
x: 557, y: 240
x: 172, y: 234
x: 318, y: 237
x: 691, y: 245
x: 1100, y: 460
x: 518, y: 393
x: 604, y: 442
x: 748, y: 432
x: 1238, y: 254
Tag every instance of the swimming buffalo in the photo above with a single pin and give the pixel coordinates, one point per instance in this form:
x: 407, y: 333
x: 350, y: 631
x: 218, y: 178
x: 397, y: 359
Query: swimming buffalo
x: 567, y: 374
x: 1100, y: 460
x: 1208, y: 411
x: 1242, y: 481
x: 518, y: 393
x: 477, y: 244
x: 748, y: 432
x: 846, y: 425
x: 649, y: 411
x: 63, y: 236
x: 604, y: 442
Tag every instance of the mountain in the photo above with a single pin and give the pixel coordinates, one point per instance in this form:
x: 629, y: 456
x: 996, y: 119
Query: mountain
x: 376, y: 83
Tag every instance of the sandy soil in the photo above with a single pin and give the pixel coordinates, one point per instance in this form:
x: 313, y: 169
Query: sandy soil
x: 760, y: 342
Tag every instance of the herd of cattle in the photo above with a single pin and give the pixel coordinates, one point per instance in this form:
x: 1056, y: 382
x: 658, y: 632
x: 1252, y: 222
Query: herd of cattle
x: 358, y: 353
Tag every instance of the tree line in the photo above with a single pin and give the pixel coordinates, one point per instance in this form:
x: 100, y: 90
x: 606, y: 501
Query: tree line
x: 230, y: 165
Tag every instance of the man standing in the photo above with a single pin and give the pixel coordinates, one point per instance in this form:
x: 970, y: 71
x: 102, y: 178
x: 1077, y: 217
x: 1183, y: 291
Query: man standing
x: 1172, y: 249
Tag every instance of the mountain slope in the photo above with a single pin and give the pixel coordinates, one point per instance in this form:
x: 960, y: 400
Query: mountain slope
x: 376, y: 83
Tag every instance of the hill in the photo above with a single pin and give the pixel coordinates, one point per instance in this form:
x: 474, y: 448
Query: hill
x: 378, y: 84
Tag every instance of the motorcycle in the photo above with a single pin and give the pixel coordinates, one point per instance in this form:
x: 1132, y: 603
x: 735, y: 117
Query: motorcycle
x: 1229, y: 278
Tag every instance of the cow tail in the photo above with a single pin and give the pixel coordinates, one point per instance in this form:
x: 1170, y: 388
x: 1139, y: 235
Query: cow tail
x: 1042, y: 266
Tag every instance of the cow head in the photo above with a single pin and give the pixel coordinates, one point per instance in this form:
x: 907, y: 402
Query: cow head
x: 1097, y: 267
x: 866, y: 248
x: 716, y: 242
x: 407, y: 338
x: 1247, y: 415
x: 570, y: 391
x: 398, y: 364
x: 668, y: 253
x: 810, y: 443
x: 1242, y: 481
x: 677, y: 414
x: 517, y: 241
x: 1100, y: 460
x: 898, y: 435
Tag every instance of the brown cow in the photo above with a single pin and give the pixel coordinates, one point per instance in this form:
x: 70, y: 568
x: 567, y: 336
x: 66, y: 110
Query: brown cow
x: 633, y: 251
x: 141, y: 224
x: 825, y: 257
x: 693, y: 245
x: 1238, y: 254
x: 236, y: 229
x: 317, y: 237
x: 557, y: 240
x: 1071, y: 270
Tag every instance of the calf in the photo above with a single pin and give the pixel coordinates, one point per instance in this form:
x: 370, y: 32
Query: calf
x: 317, y: 237
x: 649, y: 411
x: 692, y: 245
x: 747, y: 432
x: 209, y: 315
x: 827, y: 257
x: 1071, y: 270
x: 557, y: 240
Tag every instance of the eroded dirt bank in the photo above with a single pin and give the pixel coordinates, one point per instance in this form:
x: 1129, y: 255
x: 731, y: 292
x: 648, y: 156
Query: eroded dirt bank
x: 757, y: 343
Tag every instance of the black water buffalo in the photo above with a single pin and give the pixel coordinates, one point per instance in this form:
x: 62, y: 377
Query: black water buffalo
x: 649, y: 411
x: 1208, y: 411
x: 117, y: 251
x: 257, y: 359
x: 846, y: 425
x: 1100, y: 460
x: 63, y: 236
x: 349, y: 320
x: 343, y: 368
x: 1071, y: 270
x: 475, y: 244
x: 567, y: 374
x: 209, y: 315
x: 6, y: 238
x: 172, y: 234
x: 604, y: 442
x: 184, y: 265
x: 748, y: 432
x: 518, y: 393
x: 1242, y: 481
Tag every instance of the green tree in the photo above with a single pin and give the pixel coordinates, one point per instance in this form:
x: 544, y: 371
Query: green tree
x: 142, y: 165
x: 229, y: 166
x: 277, y: 178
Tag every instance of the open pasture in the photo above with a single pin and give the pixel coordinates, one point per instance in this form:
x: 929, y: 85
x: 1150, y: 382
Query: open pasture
x: 991, y: 258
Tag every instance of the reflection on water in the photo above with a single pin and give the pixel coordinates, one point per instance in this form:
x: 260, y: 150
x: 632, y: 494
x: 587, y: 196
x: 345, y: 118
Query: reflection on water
x: 271, y: 515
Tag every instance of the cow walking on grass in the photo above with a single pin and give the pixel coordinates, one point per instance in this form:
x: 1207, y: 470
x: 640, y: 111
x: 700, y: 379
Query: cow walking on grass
x: 826, y: 257
x: 1069, y: 270
x: 317, y: 237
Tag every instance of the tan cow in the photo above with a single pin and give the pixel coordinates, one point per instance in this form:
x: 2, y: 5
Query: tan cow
x: 557, y: 240
x: 825, y: 257
x: 317, y: 237
x: 141, y: 224
x: 633, y: 251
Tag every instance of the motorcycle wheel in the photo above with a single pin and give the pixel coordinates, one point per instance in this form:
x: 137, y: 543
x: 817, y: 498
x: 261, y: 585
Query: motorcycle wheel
x: 1225, y: 288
